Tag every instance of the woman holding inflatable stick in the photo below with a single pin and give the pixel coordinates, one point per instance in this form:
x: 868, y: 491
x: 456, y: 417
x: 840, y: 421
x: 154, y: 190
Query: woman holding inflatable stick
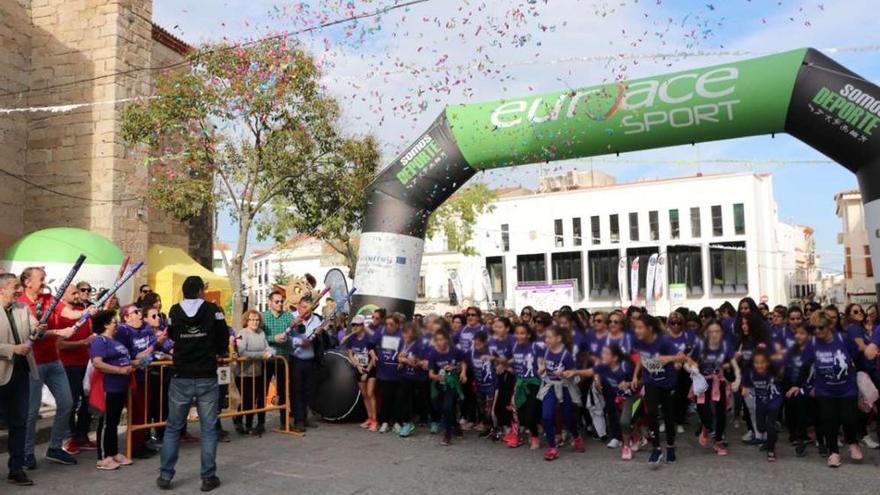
x: 110, y: 293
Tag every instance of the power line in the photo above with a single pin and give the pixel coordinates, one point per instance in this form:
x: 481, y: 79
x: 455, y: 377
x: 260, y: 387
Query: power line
x: 365, y: 15
x: 63, y: 194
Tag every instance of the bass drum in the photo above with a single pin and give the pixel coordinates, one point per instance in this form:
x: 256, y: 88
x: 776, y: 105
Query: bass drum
x: 334, y: 392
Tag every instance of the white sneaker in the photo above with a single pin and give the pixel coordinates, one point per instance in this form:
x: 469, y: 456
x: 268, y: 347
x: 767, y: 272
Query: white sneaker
x: 663, y: 427
x: 679, y: 429
x: 869, y: 442
x: 614, y: 444
x: 384, y: 428
x: 748, y: 436
x: 396, y: 428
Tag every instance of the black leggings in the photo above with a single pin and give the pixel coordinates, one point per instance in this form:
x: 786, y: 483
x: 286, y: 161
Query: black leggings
x: 389, y: 401
x: 655, y: 398
x: 503, y: 413
x: 766, y: 423
x: 713, y: 415
x: 406, y: 397
x: 446, y: 402
x: 682, y: 401
x: 253, y: 396
x: 529, y: 413
x: 612, y: 412
x: 834, y: 413
x: 796, y: 417
x: 108, y: 424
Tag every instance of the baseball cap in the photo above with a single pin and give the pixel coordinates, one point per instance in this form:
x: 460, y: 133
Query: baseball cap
x: 357, y: 320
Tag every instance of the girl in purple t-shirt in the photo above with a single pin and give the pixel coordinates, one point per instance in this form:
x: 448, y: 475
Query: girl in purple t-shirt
x: 501, y: 352
x: 412, y: 369
x: 363, y: 358
x: 765, y: 383
x: 557, y: 368
x: 525, y: 393
x: 656, y: 369
x: 447, y: 368
x: 714, y: 356
x: 111, y: 358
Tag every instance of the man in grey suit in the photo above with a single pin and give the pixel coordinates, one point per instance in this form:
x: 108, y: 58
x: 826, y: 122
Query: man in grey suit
x: 16, y: 363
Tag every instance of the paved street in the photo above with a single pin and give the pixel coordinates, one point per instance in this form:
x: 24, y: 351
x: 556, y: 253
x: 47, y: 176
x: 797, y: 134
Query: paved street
x: 342, y: 459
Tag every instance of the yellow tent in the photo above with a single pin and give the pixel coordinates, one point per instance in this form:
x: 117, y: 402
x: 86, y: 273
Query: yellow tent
x: 168, y: 268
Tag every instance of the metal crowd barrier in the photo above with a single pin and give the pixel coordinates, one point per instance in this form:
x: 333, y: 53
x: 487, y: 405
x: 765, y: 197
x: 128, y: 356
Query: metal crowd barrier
x: 225, y: 412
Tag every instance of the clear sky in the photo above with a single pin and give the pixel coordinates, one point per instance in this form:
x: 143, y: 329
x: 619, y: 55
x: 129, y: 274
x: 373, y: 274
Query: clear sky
x: 396, y: 72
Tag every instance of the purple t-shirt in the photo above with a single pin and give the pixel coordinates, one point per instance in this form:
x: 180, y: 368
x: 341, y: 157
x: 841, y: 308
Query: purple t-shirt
x: 360, y: 347
x: 624, y: 342
x: 113, y: 353
x: 663, y: 376
x: 502, y: 348
x: 387, y: 345
x: 784, y: 337
x: 611, y: 379
x: 525, y: 360
x: 553, y: 361
x: 834, y: 374
x: 417, y: 349
x: 766, y: 387
x: 712, y: 360
x: 437, y: 361
x: 484, y: 371
x: 465, y: 337
x: 684, y: 342
x: 593, y: 342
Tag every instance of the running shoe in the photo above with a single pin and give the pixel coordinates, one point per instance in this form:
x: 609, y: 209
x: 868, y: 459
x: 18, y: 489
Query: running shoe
x: 855, y: 452
x: 406, y: 430
x: 60, y: 456
x: 435, y: 428
x: 87, y: 445
x: 535, y: 443
x: 396, y: 427
x: 720, y: 448
x: 384, y: 428
x: 626, y: 454
x: 578, y: 444
x: 869, y: 442
x: 670, y: 455
x: 704, y: 437
x: 679, y: 429
x: 70, y: 446
x: 551, y: 454
x: 656, y: 458
x: 466, y: 425
x: 122, y: 460
x: 365, y: 424
x: 614, y: 444
x: 107, y: 464
x: 512, y: 440
x: 771, y: 456
x: 447, y: 440
x: 374, y: 426
x: 748, y: 436
x: 834, y: 461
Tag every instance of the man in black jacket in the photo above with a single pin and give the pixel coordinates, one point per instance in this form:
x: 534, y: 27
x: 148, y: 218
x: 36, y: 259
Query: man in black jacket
x: 200, y: 334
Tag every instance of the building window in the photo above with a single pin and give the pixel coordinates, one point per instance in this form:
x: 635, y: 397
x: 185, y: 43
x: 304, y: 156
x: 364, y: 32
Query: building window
x: 634, y: 226
x: 739, y: 219
x: 615, y: 228
x: 696, y: 229
x: 531, y: 268
x: 420, y: 290
x: 674, y: 228
x: 495, y: 267
x: 643, y: 254
x: 847, y: 270
x: 568, y: 266
x: 595, y: 233
x: 729, y: 270
x: 603, y: 274
x: 685, y: 266
x: 869, y: 268
x: 557, y: 229
x: 654, y: 224
x: 717, y: 225
x: 576, y: 231
x: 505, y: 237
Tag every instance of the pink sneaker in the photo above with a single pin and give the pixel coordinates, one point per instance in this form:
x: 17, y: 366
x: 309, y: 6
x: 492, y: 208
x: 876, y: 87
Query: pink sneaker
x: 855, y: 452
x: 720, y: 449
x: 626, y: 453
x: 552, y: 453
x: 535, y: 443
x: 467, y: 426
x: 834, y: 461
x: 704, y: 437
x: 578, y: 444
x: 512, y: 440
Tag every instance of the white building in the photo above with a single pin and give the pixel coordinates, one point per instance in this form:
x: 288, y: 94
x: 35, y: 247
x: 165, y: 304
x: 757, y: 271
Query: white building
x: 720, y: 232
x: 858, y: 271
x: 218, y: 266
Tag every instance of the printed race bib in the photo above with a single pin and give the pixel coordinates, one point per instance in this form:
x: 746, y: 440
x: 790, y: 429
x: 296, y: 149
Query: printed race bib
x: 390, y: 342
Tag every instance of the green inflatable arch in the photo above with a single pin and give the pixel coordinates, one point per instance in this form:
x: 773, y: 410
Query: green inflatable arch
x: 801, y: 92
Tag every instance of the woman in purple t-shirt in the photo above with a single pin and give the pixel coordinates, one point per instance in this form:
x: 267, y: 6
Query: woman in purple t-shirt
x: 363, y: 358
x: 557, y: 369
x: 112, y: 359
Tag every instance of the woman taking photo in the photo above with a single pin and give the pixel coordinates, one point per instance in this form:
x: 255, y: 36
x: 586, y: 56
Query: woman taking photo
x: 110, y: 357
